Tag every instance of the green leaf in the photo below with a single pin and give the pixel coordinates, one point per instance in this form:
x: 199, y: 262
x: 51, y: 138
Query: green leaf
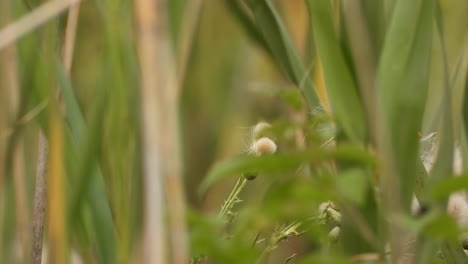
x: 282, y: 162
x: 402, y: 81
x: 239, y: 165
x: 341, y: 87
x: 73, y: 113
x: 373, y: 12
x: 444, y: 188
x: 89, y: 190
x: 443, y: 165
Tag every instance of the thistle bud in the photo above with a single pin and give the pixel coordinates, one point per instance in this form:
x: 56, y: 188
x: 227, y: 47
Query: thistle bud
x: 334, y: 234
x: 250, y: 175
x: 263, y: 146
x: 334, y: 214
x: 323, y: 208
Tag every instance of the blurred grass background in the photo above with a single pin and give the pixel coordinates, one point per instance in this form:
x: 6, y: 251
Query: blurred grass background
x: 238, y: 71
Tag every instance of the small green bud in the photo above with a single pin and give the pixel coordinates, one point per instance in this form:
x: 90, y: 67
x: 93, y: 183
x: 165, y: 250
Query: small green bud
x: 250, y: 175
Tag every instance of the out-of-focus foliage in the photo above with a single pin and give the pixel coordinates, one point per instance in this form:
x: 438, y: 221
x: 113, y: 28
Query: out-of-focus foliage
x: 349, y: 88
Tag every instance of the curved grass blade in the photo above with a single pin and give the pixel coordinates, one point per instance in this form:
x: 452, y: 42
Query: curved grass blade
x: 248, y: 24
x: 402, y: 81
x: 341, y: 87
x: 73, y: 114
x: 89, y: 188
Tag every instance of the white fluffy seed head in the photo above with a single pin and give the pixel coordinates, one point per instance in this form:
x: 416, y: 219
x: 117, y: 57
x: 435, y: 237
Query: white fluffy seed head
x: 263, y: 146
x: 259, y: 129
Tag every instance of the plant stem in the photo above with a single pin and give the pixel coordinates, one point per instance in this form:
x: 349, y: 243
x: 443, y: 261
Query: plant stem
x: 151, y: 37
x: 229, y: 203
x: 39, y: 200
x: 33, y: 20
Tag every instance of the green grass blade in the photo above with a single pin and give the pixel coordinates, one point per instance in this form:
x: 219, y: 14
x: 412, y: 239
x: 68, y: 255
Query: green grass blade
x: 444, y: 163
x: 443, y: 167
x: 374, y: 14
x: 402, y: 80
x: 88, y: 185
x: 341, y: 87
x: 73, y: 114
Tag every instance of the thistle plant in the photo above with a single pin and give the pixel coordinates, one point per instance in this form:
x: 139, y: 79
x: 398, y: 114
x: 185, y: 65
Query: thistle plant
x: 259, y: 146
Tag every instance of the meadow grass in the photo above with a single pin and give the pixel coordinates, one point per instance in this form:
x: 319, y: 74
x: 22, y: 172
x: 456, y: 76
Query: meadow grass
x: 124, y: 126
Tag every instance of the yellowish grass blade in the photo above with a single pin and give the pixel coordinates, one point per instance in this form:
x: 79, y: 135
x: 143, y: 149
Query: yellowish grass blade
x: 56, y: 198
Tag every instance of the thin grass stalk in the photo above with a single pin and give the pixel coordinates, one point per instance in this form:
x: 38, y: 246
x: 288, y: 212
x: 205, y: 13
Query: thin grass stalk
x: 40, y: 188
x: 70, y: 35
x: 39, y: 200
x: 33, y: 20
x: 233, y: 196
x: 171, y: 132
x: 168, y: 107
x: 58, y: 249
x: 175, y: 193
x: 174, y: 186
x: 40, y: 197
x: 149, y: 27
x: 173, y: 165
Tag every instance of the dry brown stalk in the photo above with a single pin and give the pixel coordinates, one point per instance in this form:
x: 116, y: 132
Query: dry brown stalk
x: 33, y: 20
x: 39, y: 200
x: 149, y: 34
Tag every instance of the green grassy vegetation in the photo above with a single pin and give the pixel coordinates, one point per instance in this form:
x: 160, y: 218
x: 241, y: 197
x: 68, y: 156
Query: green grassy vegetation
x: 233, y: 131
